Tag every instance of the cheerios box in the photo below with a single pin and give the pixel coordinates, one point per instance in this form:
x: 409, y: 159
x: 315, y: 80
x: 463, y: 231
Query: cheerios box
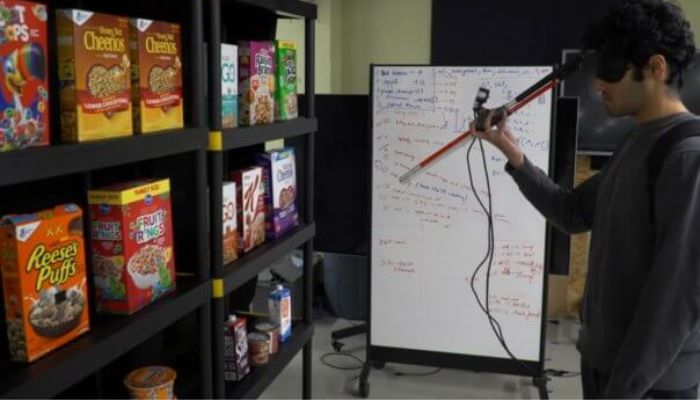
x: 251, y: 208
x: 286, y: 106
x: 24, y: 104
x: 280, y: 183
x: 42, y: 262
x: 94, y: 74
x: 132, y: 245
x: 256, y: 83
x: 156, y: 75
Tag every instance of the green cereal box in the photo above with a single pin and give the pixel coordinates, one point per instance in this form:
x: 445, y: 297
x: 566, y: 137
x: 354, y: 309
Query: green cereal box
x: 229, y: 86
x: 286, y: 99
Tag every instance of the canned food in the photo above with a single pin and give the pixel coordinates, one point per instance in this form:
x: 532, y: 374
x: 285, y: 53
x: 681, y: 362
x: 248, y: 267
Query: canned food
x: 155, y: 382
x: 258, y: 348
x: 273, y: 331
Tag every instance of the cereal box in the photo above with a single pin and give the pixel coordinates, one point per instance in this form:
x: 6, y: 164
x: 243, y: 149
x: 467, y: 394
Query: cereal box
x: 132, y: 245
x: 251, y: 201
x: 230, y: 217
x: 156, y: 75
x: 24, y: 104
x: 256, y: 83
x: 229, y: 86
x: 279, y: 180
x: 94, y: 74
x: 286, y: 94
x: 42, y: 260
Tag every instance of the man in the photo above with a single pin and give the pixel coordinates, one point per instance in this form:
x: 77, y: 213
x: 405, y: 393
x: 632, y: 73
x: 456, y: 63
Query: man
x: 640, y: 331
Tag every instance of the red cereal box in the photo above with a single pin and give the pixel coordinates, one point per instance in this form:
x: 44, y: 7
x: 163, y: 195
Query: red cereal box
x: 251, y: 206
x: 132, y: 245
x: 24, y: 104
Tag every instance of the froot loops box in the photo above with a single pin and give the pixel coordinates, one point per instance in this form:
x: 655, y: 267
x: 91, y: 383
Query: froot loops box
x: 132, y: 245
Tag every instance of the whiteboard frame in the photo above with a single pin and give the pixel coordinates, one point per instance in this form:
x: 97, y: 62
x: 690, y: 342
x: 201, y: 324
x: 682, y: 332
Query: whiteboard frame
x: 380, y: 355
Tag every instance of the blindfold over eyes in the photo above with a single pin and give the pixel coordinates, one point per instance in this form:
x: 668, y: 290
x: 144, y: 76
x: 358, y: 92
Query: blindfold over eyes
x: 610, y: 68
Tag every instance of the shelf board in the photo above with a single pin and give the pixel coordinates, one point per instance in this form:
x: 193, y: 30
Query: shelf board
x: 285, y: 7
x: 251, y: 264
x: 260, y: 378
x: 109, y: 338
x: 235, y: 138
x: 62, y: 159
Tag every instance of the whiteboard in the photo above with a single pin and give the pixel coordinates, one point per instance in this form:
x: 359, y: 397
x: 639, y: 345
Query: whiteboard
x: 429, y: 235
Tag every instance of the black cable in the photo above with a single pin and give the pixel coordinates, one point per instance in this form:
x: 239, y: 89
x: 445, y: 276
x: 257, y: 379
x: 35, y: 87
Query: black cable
x: 560, y: 373
x: 418, y: 374
x: 495, y: 325
x: 348, y: 354
x: 342, y: 354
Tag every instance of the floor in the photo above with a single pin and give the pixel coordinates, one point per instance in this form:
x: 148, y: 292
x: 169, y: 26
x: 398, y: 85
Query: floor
x: 329, y: 383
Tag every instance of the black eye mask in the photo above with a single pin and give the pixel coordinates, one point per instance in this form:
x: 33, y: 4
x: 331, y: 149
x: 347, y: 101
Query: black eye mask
x: 610, y: 68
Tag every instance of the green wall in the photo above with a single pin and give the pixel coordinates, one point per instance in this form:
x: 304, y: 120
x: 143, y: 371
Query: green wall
x: 352, y: 34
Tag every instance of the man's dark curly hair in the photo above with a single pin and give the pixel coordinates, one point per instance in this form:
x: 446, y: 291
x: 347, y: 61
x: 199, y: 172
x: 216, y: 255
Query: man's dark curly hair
x: 637, y: 29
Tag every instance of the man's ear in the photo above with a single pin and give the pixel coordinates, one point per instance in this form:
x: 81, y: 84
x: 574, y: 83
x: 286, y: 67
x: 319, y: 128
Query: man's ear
x: 658, y: 67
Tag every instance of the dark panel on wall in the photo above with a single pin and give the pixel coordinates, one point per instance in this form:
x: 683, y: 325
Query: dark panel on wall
x: 342, y: 174
x: 508, y: 32
x: 563, y: 174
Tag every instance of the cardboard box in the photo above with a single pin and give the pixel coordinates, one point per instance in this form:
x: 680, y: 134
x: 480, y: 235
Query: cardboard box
x: 132, y: 245
x: 156, y: 75
x: 44, y: 280
x: 279, y: 180
x: 24, y: 104
x: 251, y: 204
x: 229, y: 86
x: 94, y: 72
x: 286, y: 103
x: 230, y: 221
x: 256, y: 83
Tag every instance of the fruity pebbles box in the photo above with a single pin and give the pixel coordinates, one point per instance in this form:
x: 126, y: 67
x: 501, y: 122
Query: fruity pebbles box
x: 132, y: 245
x: 94, y: 73
x: 256, y: 83
x: 24, y: 104
x: 42, y: 258
x: 156, y: 75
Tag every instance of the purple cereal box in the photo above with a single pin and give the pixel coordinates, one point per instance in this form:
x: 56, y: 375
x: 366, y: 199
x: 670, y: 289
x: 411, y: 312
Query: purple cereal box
x: 256, y: 73
x: 279, y: 180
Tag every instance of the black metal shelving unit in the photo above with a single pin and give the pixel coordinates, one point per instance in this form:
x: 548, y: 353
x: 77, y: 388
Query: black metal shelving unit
x: 39, y: 178
x: 229, y: 21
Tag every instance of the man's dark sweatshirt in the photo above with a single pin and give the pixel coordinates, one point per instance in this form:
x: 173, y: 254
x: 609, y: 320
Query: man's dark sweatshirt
x: 641, y: 307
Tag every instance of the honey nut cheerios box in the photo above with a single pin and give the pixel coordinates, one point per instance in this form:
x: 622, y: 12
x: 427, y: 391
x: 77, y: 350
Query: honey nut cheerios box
x: 132, y: 245
x: 156, y: 75
x: 94, y: 73
x: 256, y: 83
x: 42, y: 259
x: 24, y: 104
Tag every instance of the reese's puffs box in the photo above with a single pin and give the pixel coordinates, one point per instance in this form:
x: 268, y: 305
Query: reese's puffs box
x: 42, y: 259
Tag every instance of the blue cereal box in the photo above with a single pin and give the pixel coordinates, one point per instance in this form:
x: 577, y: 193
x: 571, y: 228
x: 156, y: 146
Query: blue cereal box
x: 279, y: 181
